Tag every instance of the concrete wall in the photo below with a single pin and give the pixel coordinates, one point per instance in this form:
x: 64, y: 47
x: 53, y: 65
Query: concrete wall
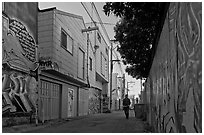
x: 173, y: 88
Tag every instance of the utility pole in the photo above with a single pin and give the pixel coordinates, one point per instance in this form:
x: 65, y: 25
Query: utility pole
x: 111, y: 72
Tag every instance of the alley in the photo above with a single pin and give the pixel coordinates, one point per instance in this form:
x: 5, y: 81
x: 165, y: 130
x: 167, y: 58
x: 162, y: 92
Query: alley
x: 114, y: 122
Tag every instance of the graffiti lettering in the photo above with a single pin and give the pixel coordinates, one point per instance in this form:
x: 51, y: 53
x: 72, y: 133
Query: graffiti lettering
x: 47, y: 63
x: 19, y: 92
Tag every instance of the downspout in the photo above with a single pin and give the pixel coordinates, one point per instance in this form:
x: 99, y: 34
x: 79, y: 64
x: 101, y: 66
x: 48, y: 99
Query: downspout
x: 88, y: 60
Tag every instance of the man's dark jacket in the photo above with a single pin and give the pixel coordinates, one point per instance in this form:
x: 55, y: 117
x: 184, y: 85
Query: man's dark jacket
x: 126, y: 102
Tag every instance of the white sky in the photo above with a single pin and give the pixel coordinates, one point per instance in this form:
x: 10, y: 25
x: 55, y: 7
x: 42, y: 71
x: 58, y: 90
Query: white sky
x: 78, y: 9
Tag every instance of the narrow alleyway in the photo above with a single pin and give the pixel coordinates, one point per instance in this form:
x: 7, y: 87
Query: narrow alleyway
x: 114, y: 122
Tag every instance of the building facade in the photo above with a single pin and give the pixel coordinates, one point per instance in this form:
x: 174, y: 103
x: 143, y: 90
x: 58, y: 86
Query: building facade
x: 174, y: 87
x: 64, y: 84
x: 99, y: 76
x: 117, y: 89
x: 19, y: 59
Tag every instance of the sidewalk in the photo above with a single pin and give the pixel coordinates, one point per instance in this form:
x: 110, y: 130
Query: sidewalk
x: 30, y: 127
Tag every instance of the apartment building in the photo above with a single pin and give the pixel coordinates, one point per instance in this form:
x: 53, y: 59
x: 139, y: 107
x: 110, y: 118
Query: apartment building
x: 64, y: 83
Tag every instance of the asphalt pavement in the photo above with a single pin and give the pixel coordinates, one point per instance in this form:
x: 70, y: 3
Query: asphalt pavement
x: 114, y: 122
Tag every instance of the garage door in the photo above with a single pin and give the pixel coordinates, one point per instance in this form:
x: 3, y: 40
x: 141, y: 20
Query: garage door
x: 49, y: 106
x: 83, y: 102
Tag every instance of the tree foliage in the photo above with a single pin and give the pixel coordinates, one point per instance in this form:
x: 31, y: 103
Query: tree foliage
x: 136, y: 32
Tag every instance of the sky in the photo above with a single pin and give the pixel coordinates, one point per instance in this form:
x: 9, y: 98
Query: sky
x: 109, y: 23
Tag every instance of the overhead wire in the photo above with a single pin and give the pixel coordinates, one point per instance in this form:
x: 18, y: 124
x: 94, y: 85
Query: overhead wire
x: 104, y: 29
x: 88, y: 13
x: 102, y: 25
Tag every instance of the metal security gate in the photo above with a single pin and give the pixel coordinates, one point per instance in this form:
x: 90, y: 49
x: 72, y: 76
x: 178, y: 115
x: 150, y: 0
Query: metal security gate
x: 49, y: 95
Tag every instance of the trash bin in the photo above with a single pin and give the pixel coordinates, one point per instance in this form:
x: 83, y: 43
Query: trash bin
x: 140, y: 111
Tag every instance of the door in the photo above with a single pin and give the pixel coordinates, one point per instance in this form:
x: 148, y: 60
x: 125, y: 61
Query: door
x: 55, y: 101
x: 49, y: 105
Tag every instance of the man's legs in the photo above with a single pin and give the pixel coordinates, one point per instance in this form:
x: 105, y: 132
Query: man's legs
x: 127, y: 115
x: 126, y: 110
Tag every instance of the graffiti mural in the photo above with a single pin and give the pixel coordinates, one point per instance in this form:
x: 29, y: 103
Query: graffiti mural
x: 18, y: 46
x: 176, y: 75
x: 19, y: 58
x: 70, y: 103
x: 94, y: 101
x: 188, y: 40
x: 18, y: 92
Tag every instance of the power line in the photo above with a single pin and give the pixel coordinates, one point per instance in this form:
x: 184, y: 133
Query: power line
x: 102, y: 25
x: 88, y: 13
x: 101, y: 22
x: 104, y: 29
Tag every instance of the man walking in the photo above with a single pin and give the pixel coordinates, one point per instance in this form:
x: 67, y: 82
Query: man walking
x: 126, y: 104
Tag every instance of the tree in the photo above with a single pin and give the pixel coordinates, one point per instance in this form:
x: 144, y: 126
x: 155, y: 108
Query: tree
x: 136, y: 32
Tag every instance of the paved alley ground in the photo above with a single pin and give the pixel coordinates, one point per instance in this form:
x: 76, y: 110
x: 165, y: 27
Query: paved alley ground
x: 114, y: 122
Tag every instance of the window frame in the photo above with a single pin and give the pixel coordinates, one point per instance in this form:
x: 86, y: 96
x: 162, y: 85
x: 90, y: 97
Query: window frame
x: 68, y: 37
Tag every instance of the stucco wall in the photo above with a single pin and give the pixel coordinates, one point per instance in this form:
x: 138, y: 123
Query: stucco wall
x: 173, y: 88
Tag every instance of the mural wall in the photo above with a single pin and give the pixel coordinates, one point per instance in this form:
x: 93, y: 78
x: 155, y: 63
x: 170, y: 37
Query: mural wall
x: 19, y: 61
x: 94, y: 101
x: 174, y: 85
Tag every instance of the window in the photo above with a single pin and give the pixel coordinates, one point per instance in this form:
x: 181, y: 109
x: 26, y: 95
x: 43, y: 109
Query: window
x: 63, y: 39
x: 81, y: 64
x: 66, y: 41
x: 99, y: 37
x: 106, y: 51
x: 90, y: 63
x: 106, y: 68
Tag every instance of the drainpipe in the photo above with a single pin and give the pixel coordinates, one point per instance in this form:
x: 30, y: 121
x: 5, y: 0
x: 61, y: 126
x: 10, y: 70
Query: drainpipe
x: 88, y: 60
x: 87, y: 30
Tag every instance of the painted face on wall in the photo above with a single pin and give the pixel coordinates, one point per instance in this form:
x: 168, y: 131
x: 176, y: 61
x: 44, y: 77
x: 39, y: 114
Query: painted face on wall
x: 18, y: 46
